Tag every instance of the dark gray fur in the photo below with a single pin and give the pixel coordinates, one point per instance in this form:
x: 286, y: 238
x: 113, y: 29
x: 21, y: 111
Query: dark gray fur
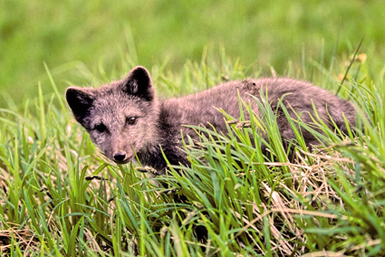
x: 105, y: 113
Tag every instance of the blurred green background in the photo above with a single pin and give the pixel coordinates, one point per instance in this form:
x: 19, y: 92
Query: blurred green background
x: 72, y: 36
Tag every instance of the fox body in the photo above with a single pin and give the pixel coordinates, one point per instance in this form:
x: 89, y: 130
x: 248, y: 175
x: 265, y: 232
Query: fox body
x: 125, y: 118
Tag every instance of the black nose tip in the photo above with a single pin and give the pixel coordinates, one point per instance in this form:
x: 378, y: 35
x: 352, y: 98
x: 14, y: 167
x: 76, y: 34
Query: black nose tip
x: 119, y: 157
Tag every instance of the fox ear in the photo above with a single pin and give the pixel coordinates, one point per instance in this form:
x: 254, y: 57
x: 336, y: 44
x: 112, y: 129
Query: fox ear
x: 80, y: 100
x: 139, y: 83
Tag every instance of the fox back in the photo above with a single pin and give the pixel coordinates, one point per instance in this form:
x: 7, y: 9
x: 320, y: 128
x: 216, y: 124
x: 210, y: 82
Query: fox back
x: 125, y: 119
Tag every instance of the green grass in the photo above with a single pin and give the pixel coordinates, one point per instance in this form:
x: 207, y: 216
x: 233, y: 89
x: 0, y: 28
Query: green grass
x: 60, y: 197
x: 75, y: 39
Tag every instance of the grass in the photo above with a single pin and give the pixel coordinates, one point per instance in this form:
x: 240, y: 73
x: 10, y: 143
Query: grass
x: 60, y: 197
x: 74, y: 37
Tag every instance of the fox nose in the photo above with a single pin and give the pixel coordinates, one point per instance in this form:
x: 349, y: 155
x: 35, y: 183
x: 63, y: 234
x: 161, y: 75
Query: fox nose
x: 119, y: 156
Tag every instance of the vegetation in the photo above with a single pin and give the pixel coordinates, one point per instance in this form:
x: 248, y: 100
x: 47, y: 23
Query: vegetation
x: 76, y: 39
x: 60, y: 197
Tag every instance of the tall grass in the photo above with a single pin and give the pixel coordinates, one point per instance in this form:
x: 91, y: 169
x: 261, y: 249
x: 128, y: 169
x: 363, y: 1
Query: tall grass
x: 60, y: 197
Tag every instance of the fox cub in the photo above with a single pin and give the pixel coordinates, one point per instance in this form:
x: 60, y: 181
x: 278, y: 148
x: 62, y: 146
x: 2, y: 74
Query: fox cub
x: 125, y: 118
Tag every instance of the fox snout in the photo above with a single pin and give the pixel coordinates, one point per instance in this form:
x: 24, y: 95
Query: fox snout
x: 121, y: 157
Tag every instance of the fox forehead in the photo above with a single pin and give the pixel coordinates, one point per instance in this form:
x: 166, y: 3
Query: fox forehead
x: 118, y: 107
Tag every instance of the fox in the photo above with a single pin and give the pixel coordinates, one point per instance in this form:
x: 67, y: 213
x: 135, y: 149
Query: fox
x: 126, y: 120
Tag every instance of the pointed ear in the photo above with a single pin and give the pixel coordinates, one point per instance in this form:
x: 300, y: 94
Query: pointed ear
x: 80, y: 101
x: 139, y: 83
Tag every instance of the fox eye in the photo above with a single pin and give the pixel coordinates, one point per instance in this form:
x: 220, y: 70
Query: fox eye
x: 131, y: 120
x: 100, y: 127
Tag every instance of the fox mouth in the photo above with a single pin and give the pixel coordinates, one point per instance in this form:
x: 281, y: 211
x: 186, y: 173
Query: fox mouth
x: 122, y: 162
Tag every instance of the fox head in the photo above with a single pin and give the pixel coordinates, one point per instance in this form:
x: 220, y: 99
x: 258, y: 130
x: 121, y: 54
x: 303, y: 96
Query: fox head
x: 120, y: 117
